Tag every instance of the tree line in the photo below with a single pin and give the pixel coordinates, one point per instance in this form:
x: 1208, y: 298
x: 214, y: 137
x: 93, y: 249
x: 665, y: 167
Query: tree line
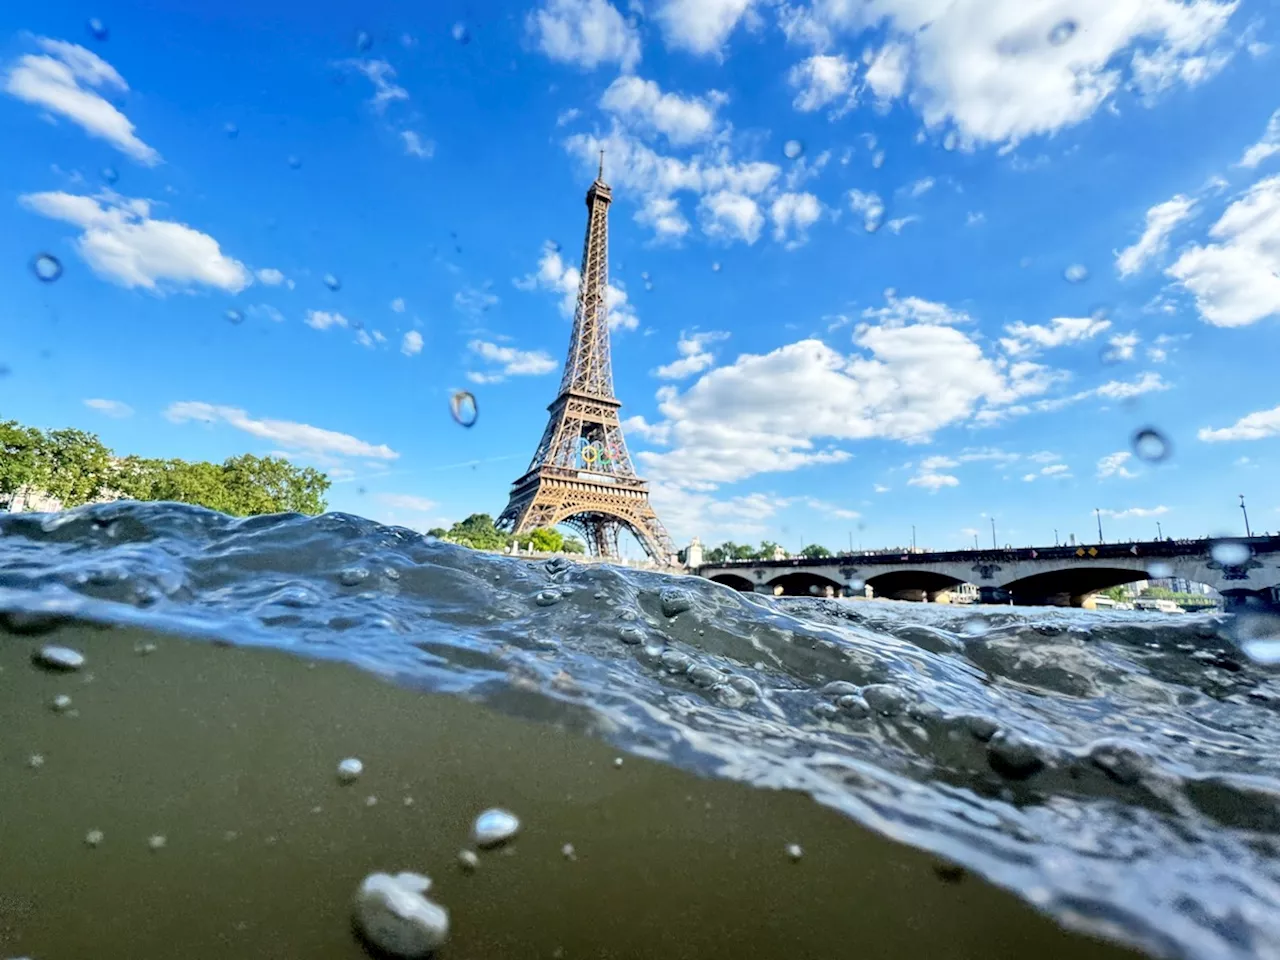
x: 736, y: 551
x: 479, y: 533
x: 75, y: 467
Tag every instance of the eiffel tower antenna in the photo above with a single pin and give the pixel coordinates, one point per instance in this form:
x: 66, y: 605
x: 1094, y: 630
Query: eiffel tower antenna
x: 581, y: 474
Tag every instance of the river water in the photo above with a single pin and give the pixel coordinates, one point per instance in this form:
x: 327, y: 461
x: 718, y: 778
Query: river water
x: 1120, y: 771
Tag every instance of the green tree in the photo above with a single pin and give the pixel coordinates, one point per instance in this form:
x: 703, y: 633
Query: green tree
x: 22, y: 461
x: 573, y: 545
x: 438, y: 532
x: 814, y: 551
x: 546, y: 540
x: 767, y: 547
x: 77, y: 466
x: 478, y: 532
x: 1118, y: 594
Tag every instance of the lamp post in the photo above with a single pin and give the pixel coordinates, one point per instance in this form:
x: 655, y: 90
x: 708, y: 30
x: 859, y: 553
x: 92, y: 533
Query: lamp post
x: 913, y: 538
x: 1159, y: 531
x: 1098, y: 514
x: 993, y: 534
x: 975, y: 541
x: 1247, y: 531
x: 1055, y: 536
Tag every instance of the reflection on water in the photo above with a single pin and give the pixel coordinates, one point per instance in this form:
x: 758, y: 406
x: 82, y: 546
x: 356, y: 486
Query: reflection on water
x: 1117, y: 770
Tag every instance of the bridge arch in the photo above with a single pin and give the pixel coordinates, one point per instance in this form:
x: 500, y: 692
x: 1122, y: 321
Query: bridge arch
x: 802, y: 583
x: 741, y: 584
x: 913, y: 584
x: 1074, y: 585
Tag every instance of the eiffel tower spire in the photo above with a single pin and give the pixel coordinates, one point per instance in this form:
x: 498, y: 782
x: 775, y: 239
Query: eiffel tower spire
x: 581, y: 474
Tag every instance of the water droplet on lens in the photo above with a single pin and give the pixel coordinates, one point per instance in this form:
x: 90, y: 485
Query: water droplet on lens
x: 792, y: 149
x: 97, y: 29
x: 110, y: 175
x: 1062, y: 32
x: 464, y: 409
x: 716, y: 266
x: 1265, y: 652
x: 235, y: 316
x: 363, y: 41
x: 1230, y: 553
x: 1150, y: 445
x: 1076, y: 273
x: 47, y: 267
x: 1159, y: 570
x: 294, y: 162
x: 461, y: 34
x: 332, y: 282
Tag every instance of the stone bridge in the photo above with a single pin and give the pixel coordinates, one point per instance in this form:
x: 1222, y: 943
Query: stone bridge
x: 1244, y: 570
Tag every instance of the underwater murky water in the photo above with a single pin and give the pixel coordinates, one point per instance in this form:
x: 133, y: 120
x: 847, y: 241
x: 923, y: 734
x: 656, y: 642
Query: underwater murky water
x: 1120, y: 771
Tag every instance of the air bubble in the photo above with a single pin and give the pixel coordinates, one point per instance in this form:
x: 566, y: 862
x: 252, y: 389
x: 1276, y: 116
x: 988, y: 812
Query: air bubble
x: 1062, y: 32
x: 332, y: 282
x: 235, y: 316
x: 792, y: 149
x: 461, y: 34
x: 1150, y: 445
x: 93, y: 838
x: 495, y: 827
x: 1230, y: 553
x: 46, y: 267
x: 157, y: 842
x: 97, y: 29
x: 1076, y: 273
x: 363, y: 41
x: 110, y: 175
x: 467, y: 860
x: 349, y: 770
x: 794, y: 852
x: 462, y: 405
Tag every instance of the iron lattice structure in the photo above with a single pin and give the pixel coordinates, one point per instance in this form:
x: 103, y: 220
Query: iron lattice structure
x: 581, y: 475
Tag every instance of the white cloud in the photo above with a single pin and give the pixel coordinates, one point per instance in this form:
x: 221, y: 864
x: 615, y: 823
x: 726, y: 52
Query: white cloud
x: 881, y: 488
x: 822, y: 80
x: 936, y: 463
x: 123, y: 244
x: 1135, y: 512
x: 1122, y: 347
x: 792, y: 215
x: 112, y: 408
x: 511, y: 362
x: 567, y: 116
x: 921, y: 186
x: 887, y: 71
x: 411, y: 344
x: 973, y: 219
x: 1028, y: 339
x: 869, y: 206
x: 369, y: 338
x: 265, y: 310
x: 694, y: 355
x: 700, y: 26
x: 585, y: 33
x: 726, y: 215
x: 397, y: 305
x: 65, y: 81
x: 407, y: 501
x: 474, y: 301
x: 990, y: 71
x: 415, y: 146
x: 895, y: 226
x: 804, y: 169
x: 662, y: 215
x: 555, y: 275
x: 382, y: 75
x: 1113, y: 465
x: 933, y: 481
x: 1055, y: 470
x: 906, y: 379
x: 1266, y: 147
x: 270, y: 276
x: 1161, y: 221
x: 323, y: 320
x: 299, y: 437
x: 1148, y: 382
x: 1254, y: 426
x: 1236, y: 281
x: 642, y: 103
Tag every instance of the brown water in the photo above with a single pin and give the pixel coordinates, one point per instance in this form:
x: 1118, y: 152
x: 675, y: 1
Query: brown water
x: 230, y: 754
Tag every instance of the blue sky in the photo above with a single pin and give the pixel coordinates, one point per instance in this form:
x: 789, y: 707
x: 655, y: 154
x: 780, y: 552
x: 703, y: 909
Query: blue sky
x: 875, y: 262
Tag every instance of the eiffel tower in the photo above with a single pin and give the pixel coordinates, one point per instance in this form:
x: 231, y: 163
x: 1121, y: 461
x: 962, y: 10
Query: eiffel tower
x: 581, y: 475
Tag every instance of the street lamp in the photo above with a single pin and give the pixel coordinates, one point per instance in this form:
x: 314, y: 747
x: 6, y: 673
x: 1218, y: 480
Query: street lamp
x: 1055, y: 536
x: 1098, y: 514
x: 1247, y: 531
x: 1159, y: 532
x: 993, y: 534
x: 975, y: 541
x: 913, y: 538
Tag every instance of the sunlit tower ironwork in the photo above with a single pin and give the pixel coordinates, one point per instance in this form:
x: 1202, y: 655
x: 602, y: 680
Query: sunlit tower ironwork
x: 581, y: 474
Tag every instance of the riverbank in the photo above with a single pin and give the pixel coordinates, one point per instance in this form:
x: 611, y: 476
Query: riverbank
x: 230, y: 754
